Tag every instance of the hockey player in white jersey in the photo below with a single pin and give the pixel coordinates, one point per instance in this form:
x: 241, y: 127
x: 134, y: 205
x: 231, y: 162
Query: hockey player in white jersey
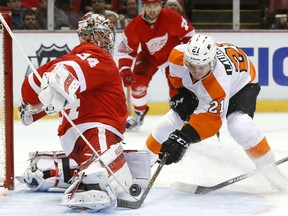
x: 219, y: 82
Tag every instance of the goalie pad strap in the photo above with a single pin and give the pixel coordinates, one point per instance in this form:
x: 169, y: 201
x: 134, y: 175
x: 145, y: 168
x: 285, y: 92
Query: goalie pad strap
x: 66, y: 169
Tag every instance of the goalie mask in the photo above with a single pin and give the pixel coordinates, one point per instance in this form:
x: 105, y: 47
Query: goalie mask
x: 200, y: 51
x: 97, y: 29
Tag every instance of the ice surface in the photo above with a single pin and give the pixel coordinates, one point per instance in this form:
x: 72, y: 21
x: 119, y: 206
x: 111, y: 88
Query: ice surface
x: 207, y: 163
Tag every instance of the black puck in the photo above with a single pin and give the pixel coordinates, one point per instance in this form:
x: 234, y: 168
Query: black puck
x: 135, y: 190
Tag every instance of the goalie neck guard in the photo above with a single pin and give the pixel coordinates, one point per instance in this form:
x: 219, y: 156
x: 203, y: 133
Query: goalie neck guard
x: 97, y: 29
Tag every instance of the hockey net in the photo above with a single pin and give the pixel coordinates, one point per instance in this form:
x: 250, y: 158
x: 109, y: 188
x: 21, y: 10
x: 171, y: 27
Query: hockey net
x: 6, y: 103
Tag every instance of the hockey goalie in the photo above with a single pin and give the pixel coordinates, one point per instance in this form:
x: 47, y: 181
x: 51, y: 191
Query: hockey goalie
x: 85, y: 88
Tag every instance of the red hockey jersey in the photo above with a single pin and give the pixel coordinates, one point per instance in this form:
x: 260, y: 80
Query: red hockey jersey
x: 157, y: 40
x: 100, y: 100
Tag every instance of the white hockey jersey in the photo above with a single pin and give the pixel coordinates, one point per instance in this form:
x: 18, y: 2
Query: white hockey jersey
x: 233, y: 70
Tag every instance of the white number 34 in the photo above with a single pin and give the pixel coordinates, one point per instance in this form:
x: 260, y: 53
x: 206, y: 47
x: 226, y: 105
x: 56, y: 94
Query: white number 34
x: 91, y: 61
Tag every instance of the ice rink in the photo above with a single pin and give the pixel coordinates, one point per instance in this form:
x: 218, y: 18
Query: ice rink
x: 207, y: 163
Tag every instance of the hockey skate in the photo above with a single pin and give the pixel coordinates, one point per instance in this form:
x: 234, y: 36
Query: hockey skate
x: 277, y: 179
x: 137, y: 120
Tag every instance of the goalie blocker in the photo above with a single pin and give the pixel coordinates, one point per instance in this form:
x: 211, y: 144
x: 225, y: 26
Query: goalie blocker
x: 88, y: 186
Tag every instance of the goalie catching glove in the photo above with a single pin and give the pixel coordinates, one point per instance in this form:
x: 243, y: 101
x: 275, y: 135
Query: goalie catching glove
x: 175, y: 147
x: 59, y: 87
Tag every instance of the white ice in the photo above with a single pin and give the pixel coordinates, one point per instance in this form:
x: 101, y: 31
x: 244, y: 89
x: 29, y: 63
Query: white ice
x: 207, y: 163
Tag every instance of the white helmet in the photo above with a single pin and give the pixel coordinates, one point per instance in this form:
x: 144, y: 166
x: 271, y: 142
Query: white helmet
x: 97, y: 28
x: 200, y: 50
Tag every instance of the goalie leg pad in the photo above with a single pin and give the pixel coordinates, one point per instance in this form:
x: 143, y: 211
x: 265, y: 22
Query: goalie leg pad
x: 101, y: 197
x: 90, y: 189
x: 115, y: 160
x: 139, y: 164
x: 94, y: 177
x: 48, y: 170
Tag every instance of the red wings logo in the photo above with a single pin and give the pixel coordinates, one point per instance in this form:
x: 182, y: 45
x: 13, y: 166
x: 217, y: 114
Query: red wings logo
x: 156, y: 44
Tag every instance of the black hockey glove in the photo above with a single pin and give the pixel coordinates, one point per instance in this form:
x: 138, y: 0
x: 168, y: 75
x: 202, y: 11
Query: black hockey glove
x: 175, y: 147
x: 184, y: 103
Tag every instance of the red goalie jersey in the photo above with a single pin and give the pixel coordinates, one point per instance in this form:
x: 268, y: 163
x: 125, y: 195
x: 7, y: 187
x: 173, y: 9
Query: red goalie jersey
x: 99, y: 93
x: 156, y: 40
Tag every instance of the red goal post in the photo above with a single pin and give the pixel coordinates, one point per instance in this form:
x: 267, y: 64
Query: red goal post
x: 6, y: 104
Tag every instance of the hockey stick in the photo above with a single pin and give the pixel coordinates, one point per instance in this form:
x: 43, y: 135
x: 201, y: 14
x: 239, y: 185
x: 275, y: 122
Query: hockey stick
x: 137, y: 204
x: 35, y: 72
x: 198, y: 189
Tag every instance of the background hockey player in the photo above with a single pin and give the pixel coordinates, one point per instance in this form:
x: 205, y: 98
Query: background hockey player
x: 87, y: 86
x: 223, y: 81
x: 157, y: 31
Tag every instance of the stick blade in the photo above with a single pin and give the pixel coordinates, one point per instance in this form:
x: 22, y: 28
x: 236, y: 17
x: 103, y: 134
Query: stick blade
x: 183, y: 187
x: 191, y: 188
x: 129, y: 204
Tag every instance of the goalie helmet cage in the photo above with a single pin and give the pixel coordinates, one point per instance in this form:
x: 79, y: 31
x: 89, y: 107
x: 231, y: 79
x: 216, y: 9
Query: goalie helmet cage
x: 6, y: 104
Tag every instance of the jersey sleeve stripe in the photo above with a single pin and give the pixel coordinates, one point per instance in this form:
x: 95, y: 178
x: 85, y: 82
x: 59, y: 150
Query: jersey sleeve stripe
x: 176, y: 57
x: 214, y: 88
x: 176, y: 81
x: 33, y: 85
x: 187, y: 36
x: 206, y: 124
x: 252, y: 71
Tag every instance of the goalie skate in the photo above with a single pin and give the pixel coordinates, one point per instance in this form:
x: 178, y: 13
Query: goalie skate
x: 94, y: 200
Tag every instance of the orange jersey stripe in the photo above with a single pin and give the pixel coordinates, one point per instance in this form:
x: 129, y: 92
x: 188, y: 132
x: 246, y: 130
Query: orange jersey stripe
x: 213, y: 88
x: 208, y: 124
x: 153, y: 145
x: 259, y: 150
x: 176, y: 57
x: 176, y: 81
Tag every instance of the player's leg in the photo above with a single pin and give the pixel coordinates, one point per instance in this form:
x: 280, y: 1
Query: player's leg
x: 143, y: 72
x: 246, y: 133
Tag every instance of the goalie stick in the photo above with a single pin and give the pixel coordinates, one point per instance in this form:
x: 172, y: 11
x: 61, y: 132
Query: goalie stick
x: 198, y: 189
x: 137, y: 204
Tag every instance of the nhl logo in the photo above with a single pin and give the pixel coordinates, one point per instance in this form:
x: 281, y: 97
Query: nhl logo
x: 46, y: 54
